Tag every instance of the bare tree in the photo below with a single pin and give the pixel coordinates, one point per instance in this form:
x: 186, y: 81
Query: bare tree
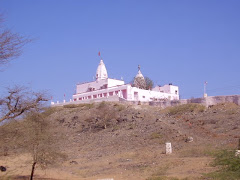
x: 10, y: 138
x: 41, y: 141
x: 11, y: 44
x: 18, y: 101
x: 106, y: 114
x: 35, y: 135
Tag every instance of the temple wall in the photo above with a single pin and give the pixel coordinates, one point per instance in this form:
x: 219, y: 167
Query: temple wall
x: 147, y: 95
x: 89, y: 101
x: 208, y: 101
x: 213, y: 100
x: 82, y: 88
x: 98, y: 84
x: 114, y: 82
x: 105, y: 92
x: 171, y: 89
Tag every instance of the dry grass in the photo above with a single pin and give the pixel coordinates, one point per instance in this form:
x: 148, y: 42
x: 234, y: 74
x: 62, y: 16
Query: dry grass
x: 185, y: 108
x: 202, y: 151
x: 126, y: 142
x: 88, y: 106
x: 155, y: 135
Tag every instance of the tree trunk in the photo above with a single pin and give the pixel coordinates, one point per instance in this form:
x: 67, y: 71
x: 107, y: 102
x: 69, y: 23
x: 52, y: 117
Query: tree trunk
x: 33, y: 168
x: 239, y: 144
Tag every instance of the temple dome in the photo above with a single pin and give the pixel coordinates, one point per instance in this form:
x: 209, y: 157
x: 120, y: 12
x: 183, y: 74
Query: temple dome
x: 139, y: 80
x: 101, y: 72
x: 139, y: 75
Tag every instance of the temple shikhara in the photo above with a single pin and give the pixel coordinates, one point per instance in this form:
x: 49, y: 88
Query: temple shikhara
x: 108, y: 89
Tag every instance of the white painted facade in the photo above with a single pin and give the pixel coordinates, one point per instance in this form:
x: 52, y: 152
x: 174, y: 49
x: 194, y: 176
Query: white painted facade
x: 99, y: 84
x: 104, y: 87
x: 107, y: 89
x: 169, y: 89
x: 126, y: 92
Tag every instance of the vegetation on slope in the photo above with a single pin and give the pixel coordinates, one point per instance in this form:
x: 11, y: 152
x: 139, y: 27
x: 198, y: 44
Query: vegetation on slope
x: 128, y: 141
x: 185, y: 108
x: 229, y: 165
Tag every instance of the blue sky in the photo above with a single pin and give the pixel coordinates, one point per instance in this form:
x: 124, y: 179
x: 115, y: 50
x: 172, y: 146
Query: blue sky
x: 184, y: 42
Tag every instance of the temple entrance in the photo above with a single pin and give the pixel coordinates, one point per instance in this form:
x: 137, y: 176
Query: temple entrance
x: 124, y: 93
x: 135, y: 96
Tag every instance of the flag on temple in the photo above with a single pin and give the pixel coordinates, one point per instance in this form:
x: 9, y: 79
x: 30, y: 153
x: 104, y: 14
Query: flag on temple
x: 99, y: 54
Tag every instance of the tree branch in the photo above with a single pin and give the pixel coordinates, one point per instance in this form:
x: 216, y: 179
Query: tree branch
x: 19, y: 101
x: 11, y: 44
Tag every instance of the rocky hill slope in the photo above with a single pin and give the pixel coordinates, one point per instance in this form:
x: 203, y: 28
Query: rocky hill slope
x: 111, y: 140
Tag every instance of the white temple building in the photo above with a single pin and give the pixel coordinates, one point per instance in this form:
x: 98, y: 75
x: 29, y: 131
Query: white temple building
x: 107, y: 89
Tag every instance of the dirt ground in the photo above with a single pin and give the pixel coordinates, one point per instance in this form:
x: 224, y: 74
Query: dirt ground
x: 171, y: 166
x: 127, y: 142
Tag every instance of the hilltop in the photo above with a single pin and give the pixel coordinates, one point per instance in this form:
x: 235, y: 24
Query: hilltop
x: 113, y: 140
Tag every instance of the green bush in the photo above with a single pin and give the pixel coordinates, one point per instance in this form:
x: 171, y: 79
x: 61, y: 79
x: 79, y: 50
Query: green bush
x: 223, y: 175
x: 229, y: 166
x: 50, y: 110
x: 70, y: 106
x: 89, y: 106
x: 163, y: 178
x: 155, y: 135
x: 102, y: 105
x: 197, y: 152
x: 185, y: 108
x: 228, y: 161
x: 119, y: 107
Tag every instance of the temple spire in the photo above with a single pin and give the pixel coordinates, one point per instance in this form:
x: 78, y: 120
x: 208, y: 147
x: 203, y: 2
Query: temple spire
x: 139, y: 80
x: 101, y: 72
